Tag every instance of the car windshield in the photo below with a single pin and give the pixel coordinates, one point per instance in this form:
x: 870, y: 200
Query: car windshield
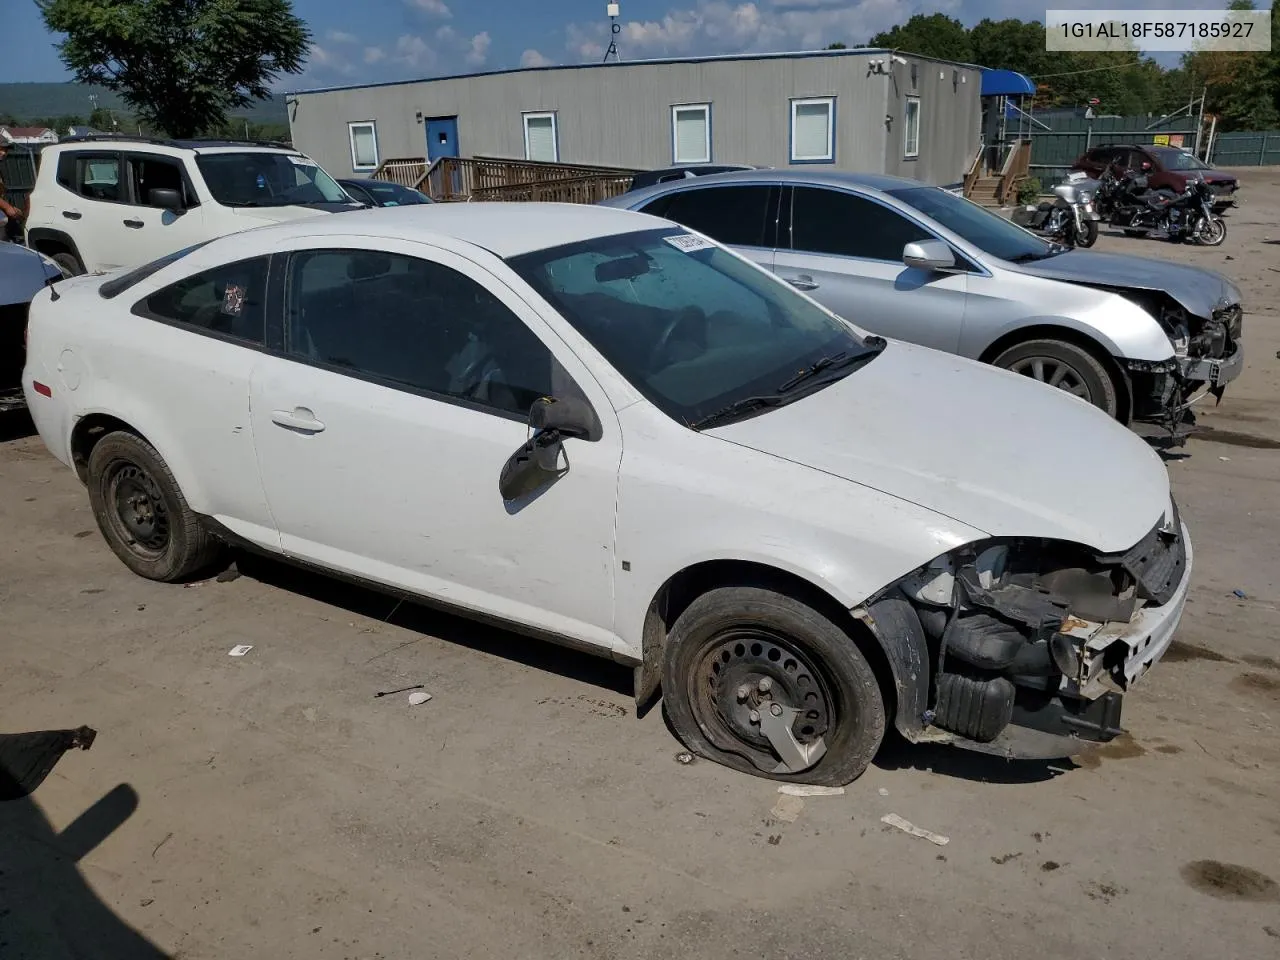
x: 702, y: 334
x: 1172, y: 159
x: 392, y: 194
x: 262, y: 179
x: 987, y: 231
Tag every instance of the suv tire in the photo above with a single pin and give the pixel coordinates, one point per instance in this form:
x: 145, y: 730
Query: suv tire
x: 70, y: 263
x: 142, y: 513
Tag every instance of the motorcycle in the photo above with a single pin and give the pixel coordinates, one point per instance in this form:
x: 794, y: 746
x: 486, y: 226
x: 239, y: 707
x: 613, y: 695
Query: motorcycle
x: 1070, y: 218
x: 1180, y: 216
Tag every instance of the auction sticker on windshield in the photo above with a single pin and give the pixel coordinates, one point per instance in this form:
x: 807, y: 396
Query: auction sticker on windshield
x: 689, y: 243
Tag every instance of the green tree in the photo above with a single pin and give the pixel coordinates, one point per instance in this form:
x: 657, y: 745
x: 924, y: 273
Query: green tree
x: 837, y: 46
x: 1010, y: 45
x: 935, y: 35
x: 180, y: 65
x: 1239, y: 86
x: 103, y: 119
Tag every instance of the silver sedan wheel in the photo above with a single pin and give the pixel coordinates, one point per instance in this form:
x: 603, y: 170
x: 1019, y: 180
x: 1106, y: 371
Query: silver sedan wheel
x: 1055, y: 373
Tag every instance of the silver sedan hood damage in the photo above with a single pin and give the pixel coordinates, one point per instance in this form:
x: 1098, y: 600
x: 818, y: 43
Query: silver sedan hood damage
x: 1200, y: 292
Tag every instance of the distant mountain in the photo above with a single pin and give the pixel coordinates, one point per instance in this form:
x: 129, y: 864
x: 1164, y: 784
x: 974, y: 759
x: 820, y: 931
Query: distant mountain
x: 26, y: 101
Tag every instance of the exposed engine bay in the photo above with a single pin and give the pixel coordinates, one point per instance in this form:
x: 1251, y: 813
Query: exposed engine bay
x: 1033, y: 634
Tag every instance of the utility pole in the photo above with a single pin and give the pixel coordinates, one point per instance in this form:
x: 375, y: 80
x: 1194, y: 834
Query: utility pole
x: 614, y: 10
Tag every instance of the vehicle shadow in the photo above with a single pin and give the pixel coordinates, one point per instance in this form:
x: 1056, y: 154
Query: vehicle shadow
x: 16, y: 425
x: 452, y: 628
x: 47, y: 910
x: 897, y: 753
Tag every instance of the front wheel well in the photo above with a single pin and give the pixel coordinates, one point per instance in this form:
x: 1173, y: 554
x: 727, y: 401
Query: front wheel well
x: 86, y: 434
x: 1049, y: 331
x: 675, y: 596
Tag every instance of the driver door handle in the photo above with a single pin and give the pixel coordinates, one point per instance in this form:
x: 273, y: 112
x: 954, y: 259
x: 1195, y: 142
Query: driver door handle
x: 802, y: 282
x: 300, y: 419
x: 134, y: 224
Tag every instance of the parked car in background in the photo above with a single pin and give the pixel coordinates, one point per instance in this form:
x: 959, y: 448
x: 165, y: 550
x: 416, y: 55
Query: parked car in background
x: 579, y: 421
x: 100, y: 203
x: 382, y: 193
x: 23, y: 274
x: 1137, y: 338
x: 648, y: 178
x: 1164, y: 167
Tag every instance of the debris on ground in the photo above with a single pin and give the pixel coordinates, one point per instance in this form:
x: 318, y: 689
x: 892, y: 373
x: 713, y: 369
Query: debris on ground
x: 808, y: 790
x: 684, y: 757
x: 1240, y: 594
x: 419, y: 697
x: 893, y: 820
x: 787, y: 809
x: 883, y: 792
x: 392, y: 693
x: 240, y: 649
x: 231, y: 573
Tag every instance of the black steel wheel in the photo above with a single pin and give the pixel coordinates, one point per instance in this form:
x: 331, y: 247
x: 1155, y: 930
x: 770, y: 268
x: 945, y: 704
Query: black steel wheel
x: 1066, y: 366
x: 764, y: 683
x: 142, y: 513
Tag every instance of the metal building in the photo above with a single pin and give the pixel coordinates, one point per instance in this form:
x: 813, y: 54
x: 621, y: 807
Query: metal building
x: 863, y: 109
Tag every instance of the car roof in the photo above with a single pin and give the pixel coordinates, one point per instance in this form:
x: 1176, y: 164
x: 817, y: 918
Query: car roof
x: 504, y: 229
x: 101, y: 142
x: 825, y: 178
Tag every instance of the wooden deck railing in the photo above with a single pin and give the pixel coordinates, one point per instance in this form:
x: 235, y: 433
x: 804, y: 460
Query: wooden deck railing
x: 450, y: 179
x: 1017, y: 167
x: 972, y: 174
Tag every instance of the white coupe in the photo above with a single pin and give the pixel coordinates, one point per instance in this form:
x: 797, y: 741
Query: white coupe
x: 600, y: 428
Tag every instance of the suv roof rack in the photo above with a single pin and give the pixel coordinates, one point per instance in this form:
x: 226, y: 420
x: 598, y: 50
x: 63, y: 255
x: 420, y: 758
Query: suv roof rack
x: 193, y: 144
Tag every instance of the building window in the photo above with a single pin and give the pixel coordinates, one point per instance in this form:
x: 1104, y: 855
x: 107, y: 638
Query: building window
x: 911, y: 128
x: 541, y: 139
x: 364, y: 145
x: 813, y: 130
x: 691, y: 133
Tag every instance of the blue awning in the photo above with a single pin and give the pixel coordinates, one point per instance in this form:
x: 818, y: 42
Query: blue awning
x: 1006, y: 83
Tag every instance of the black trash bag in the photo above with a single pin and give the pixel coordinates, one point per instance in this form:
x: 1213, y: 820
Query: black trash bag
x: 27, y: 758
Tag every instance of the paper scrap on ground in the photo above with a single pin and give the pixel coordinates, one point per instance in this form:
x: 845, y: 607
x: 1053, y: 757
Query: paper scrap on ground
x: 893, y: 820
x: 240, y: 650
x: 787, y: 809
x: 806, y: 790
x: 419, y: 696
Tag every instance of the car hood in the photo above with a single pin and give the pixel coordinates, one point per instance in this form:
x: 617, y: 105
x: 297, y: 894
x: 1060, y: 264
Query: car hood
x: 1199, y: 291
x: 282, y: 214
x: 988, y: 448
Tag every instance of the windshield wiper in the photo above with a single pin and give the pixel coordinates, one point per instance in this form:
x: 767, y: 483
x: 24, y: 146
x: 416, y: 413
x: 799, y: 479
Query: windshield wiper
x: 835, y: 361
x: 737, y: 409
x: 1028, y: 257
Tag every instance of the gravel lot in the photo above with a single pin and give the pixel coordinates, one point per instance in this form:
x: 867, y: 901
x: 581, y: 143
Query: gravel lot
x: 271, y: 806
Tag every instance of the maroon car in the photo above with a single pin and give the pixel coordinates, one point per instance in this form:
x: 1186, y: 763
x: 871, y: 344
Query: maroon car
x: 1167, y: 167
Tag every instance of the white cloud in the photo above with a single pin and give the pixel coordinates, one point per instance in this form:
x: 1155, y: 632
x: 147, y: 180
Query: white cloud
x: 412, y: 51
x: 478, y: 49
x: 338, y: 36
x: 374, y: 54
x: 328, y: 61
x: 437, y: 8
x: 532, y: 58
x: 729, y: 26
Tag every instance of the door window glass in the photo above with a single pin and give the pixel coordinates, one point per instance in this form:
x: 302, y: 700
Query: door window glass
x: 157, y: 173
x: 416, y: 324
x: 833, y: 222
x: 228, y: 300
x: 732, y: 215
x: 98, y: 178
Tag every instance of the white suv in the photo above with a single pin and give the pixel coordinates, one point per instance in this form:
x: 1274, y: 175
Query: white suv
x: 101, y: 203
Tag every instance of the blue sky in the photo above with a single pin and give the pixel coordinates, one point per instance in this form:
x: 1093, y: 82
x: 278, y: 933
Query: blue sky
x: 373, y: 40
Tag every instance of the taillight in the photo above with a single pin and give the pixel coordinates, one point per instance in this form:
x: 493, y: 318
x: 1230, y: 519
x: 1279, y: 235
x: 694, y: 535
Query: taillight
x: 42, y: 389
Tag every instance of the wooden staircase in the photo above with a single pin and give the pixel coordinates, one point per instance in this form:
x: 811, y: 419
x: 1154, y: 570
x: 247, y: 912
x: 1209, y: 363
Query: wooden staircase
x: 986, y: 191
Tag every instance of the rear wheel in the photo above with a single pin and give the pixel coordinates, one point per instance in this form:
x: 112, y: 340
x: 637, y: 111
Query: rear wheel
x: 142, y: 513
x: 1061, y: 364
x: 762, y: 682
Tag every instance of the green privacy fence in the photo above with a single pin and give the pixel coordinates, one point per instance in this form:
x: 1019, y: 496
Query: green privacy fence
x: 1258, y: 148
x: 1055, y: 149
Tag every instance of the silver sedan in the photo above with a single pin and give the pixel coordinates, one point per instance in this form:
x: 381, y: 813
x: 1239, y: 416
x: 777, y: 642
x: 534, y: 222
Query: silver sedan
x: 1139, y: 338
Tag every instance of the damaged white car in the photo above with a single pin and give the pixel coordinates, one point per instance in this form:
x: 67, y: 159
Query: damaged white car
x: 598, y: 428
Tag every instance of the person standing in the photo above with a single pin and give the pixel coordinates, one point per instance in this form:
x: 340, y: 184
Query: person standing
x: 13, y: 216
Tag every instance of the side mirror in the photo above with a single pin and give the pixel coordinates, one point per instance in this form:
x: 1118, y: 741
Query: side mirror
x: 569, y: 417
x: 541, y: 458
x: 166, y: 199
x: 932, y: 255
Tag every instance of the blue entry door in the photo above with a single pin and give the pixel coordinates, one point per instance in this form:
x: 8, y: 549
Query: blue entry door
x: 442, y: 138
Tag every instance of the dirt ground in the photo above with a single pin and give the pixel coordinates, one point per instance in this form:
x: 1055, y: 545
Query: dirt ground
x: 272, y: 806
